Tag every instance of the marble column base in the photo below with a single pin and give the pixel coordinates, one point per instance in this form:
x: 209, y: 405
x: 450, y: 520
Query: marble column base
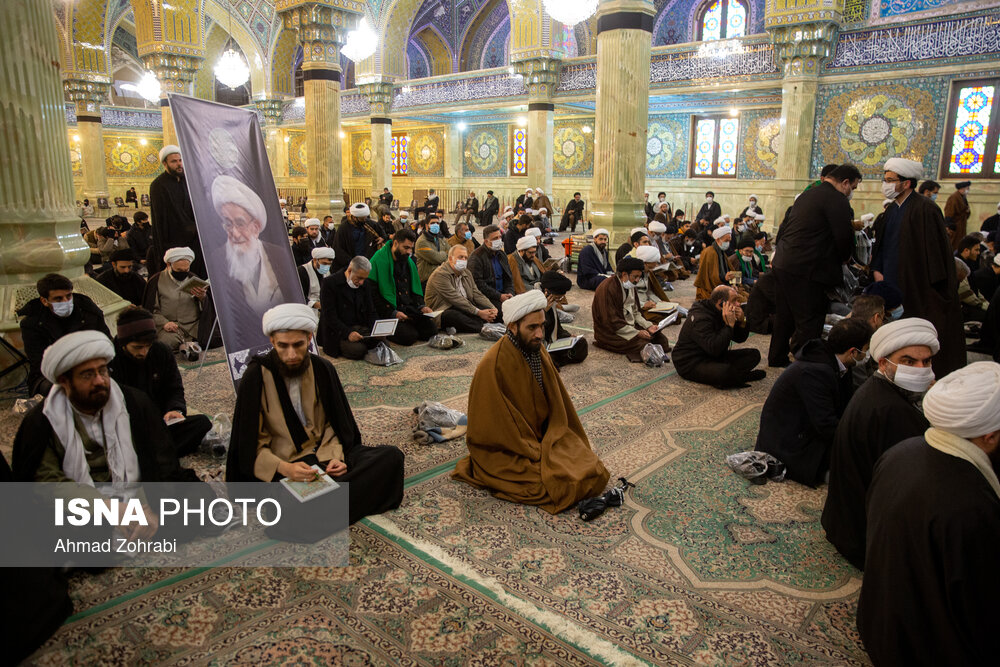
x: 95, y: 178
x: 617, y: 217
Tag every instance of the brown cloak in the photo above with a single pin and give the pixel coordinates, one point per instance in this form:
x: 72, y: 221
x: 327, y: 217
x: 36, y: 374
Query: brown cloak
x: 957, y: 211
x: 608, y: 309
x: 708, y: 277
x: 515, y: 272
x: 526, y: 445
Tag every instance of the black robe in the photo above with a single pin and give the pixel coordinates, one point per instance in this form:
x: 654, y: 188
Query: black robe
x: 931, y: 579
x: 878, y: 417
x: 172, y: 217
x: 927, y: 278
x: 375, y: 474
x: 130, y: 286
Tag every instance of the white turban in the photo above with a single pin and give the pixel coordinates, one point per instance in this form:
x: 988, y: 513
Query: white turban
x: 168, y: 150
x: 601, y: 230
x: 74, y: 349
x: 313, y: 222
x: 903, y: 333
x: 177, y: 254
x: 996, y: 260
x: 905, y: 168
x: 636, y: 229
x: 754, y: 197
x: 657, y: 227
x: 759, y: 217
x: 542, y: 210
x: 508, y: 214
x: 518, y: 306
x: 532, y: 231
x: 526, y: 242
x: 646, y: 193
x: 404, y: 214
x: 721, y: 220
x: 290, y: 317
x: 282, y: 202
x: 508, y: 208
x: 323, y: 253
x: 359, y: 210
x: 867, y: 217
x: 228, y: 190
x: 719, y: 232
x: 528, y: 191
x: 539, y: 191
x: 647, y: 253
x: 966, y: 402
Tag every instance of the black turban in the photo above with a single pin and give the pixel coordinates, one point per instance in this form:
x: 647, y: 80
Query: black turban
x: 556, y: 283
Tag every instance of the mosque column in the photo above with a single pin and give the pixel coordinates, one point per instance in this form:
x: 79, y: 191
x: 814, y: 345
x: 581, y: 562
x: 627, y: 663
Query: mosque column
x: 322, y: 26
x: 277, y: 151
x: 87, y: 95
x: 454, y: 141
x: 39, y: 225
x: 379, y: 94
x: 624, y: 40
x: 540, y: 78
x: 175, y: 72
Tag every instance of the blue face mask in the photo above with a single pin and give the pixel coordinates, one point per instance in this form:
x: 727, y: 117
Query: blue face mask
x: 434, y: 228
x: 934, y: 196
x: 468, y: 235
x: 896, y: 314
x: 323, y: 269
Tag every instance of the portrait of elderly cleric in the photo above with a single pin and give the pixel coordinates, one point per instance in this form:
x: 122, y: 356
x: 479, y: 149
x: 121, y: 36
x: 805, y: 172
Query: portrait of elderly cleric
x: 246, y: 271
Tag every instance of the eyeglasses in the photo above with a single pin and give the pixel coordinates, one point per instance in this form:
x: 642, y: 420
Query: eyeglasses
x: 890, y: 180
x: 89, y: 375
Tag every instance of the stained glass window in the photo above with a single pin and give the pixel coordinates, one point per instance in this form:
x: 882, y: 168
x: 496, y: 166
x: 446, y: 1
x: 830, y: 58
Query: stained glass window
x: 704, y: 147
x: 729, y: 130
x: 972, y: 124
x: 519, y: 152
x: 723, y: 19
x: 400, y: 147
x: 716, y: 146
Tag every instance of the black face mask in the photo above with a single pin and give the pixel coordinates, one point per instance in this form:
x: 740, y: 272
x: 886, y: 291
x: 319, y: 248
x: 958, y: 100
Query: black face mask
x: 179, y: 275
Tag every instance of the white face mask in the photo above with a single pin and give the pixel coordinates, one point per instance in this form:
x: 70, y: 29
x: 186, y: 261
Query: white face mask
x: 753, y: 203
x: 741, y: 228
x: 329, y: 225
x: 889, y: 190
x: 628, y: 284
x: 497, y: 245
x: 460, y: 264
x: 709, y: 199
x: 63, y: 308
x: 912, y: 378
x: 351, y: 284
x: 724, y: 245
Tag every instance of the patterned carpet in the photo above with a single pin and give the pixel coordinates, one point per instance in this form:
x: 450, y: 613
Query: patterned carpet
x: 698, y: 567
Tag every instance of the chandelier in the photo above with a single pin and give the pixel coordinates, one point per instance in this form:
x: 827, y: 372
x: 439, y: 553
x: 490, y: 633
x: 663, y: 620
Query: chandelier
x: 570, y: 12
x: 361, y: 42
x: 231, y: 69
x: 148, y: 87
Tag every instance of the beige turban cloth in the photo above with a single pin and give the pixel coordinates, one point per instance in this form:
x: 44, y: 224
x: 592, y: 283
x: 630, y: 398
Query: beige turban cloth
x: 599, y: 231
x: 528, y: 191
x: 526, y: 242
x: 290, y: 317
x: 719, y: 232
x: 966, y: 402
x: 904, y: 168
x: 359, y: 210
x: 753, y: 197
x: 867, y: 217
x: 508, y: 214
x: 313, y: 222
x: 228, y: 190
x: 903, y: 333
x: 636, y: 229
x: 177, y: 254
x: 323, y: 253
x: 539, y: 191
x: 657, y: 227
x: 533, y: 231
x: 647, y: 253
x: 518, y: 306
x: 74, y: 349
x: 168, y: 150
x: 542, y: 210
x: 759, y: 217
x: 721, y: 220
x: 404, y: 214
x: 529, y: 211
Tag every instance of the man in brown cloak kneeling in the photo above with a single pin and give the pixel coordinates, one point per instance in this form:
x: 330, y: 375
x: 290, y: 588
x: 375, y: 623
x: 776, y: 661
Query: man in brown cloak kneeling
x: 526, y: 443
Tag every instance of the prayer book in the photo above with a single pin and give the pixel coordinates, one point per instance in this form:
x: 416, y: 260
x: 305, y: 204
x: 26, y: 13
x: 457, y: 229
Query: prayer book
x: 667, y: 321
x: 563, y: 343
x: 192, y: 282
x: 665, y: 307
x: 306, y: 491
x: 176, y: 420
x: 434, y: 313
x: 384, y: 328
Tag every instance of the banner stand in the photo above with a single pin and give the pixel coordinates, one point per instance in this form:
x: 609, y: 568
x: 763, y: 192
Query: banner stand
x: 204, y: 353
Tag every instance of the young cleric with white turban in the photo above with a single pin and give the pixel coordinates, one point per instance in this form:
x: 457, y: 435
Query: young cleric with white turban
x: 292, y: 413
x: 714, y: 268
x: 594, y: 264
x: 91, y: 430
x: 882, y: 412
x: 177, y: 312
x: 912, y: 253
x: 312, y: 273
x: 525, y: 440
x: 355, y: 236
x: 931, y: 579
x: 171, y: 213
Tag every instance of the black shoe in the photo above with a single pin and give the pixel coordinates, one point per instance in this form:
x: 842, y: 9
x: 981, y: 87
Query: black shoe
x: 756, y: 374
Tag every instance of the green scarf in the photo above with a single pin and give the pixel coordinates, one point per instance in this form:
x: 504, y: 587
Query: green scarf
x: 383, y: 275
x: 763, y: 260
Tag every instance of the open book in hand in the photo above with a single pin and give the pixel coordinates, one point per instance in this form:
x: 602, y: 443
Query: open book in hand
x: 191, y: 283
x: 306, y: 491
x: 563, y: 343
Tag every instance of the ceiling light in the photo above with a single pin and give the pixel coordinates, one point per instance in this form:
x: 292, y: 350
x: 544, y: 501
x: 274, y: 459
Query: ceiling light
x: 585, y: 129
x: 361, y: 42
x: 734, y: 112
x: 461, y: 127
x: 342, y: 135
x: 231, y: 70
x: 143, y: 142
x: 522, y: 121
x: 570, y: 12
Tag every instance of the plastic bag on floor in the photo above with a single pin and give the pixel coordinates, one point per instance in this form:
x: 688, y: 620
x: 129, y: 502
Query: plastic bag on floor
x: 758, y: 467
x: 492, y: 331
x: 24, y: 405
x: 653, y: 355
x: 444, y: 341
x: 383, y: 355
x: 431, y: 414
x: 216, y: 441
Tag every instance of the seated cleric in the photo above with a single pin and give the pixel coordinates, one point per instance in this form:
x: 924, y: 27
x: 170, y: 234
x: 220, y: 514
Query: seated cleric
x: 292, y: 413
x: 526, y: 443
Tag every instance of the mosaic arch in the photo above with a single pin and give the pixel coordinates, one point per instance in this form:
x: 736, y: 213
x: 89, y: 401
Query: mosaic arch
x: 418, y: 61
x: 486, y: 39
x: 283, y: 63
x: 675, y: 21
x: 439, y: 53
